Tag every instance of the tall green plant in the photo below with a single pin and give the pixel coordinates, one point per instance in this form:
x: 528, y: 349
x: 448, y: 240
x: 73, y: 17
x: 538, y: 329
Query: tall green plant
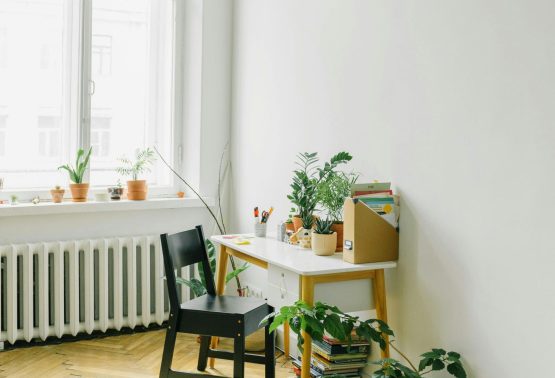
x: 308, y: 176
x: 77, y: 172
x: 332, y: 191
x: 323, y: 318
x: 143, y: 159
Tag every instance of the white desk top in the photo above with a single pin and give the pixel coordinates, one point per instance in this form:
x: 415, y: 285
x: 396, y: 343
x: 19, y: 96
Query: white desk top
x: 296, y: 259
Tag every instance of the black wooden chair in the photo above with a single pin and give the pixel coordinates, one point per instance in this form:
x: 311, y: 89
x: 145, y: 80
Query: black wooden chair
x: 210, y: 315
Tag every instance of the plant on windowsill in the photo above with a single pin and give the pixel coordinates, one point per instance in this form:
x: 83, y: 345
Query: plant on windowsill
x: 331, y: 194
x: 79, y: 189
x: 324, y: 239
x: 137, y: 189
x: 323, y: 319
x: 306, y: 179
x: 57, y: 194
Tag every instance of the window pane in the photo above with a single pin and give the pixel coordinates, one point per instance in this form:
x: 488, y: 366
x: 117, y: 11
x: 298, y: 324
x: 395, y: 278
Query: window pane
x: 131, y: 57
x: 34, y: 72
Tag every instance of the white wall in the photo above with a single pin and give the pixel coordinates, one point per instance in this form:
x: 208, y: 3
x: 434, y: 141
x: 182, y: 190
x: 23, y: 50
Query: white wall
x: 452, y: 101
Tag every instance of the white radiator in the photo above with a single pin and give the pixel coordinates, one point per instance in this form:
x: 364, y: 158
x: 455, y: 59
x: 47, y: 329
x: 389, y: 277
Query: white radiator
x: 68, y: 287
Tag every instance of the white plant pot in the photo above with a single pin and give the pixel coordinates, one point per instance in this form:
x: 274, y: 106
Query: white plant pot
x: 324, y: 245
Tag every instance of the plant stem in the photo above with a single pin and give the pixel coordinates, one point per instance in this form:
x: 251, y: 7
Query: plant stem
x: 402, y: 355
x: 231, y: 260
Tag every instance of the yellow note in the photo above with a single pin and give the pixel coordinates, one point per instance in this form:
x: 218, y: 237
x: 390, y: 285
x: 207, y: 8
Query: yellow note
x: 240, y: 241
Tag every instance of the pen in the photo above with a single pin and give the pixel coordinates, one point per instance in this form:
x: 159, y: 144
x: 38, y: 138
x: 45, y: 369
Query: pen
x: 256, y: 213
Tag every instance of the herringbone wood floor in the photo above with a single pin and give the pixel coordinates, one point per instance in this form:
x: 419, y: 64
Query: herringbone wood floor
x: 136, y: 355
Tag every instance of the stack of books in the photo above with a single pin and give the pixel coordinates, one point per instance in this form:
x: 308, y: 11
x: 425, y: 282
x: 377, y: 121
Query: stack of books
x: 335, y: 358
x: 379, y: 197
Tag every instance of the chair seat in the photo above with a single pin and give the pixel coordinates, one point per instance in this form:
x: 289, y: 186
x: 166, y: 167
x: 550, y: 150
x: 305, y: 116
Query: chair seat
x: 223, y: 316
x: 224, y: 304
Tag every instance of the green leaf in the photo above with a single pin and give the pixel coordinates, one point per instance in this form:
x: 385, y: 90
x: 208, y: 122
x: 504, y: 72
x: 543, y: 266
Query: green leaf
x: 438, y: 365
x: 424, y: 363
x: 278, y: 320
x: 456, y: 369
x: 195, y: 285
x: 440, y: 352
x: 332, y: 324
x: 453, y: 356
x: 231, y: 275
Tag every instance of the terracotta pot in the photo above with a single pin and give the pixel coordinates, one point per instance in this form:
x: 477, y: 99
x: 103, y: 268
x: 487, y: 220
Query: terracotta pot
x: 136, y: 190
x: 79, y: 192
x: 290, y: 227
x: 338, y: 227
x: 57, y: 195
x: 297, y: 223
x: 324, y: 244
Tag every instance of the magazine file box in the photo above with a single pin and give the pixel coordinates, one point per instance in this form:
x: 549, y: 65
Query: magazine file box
x: 367, y: 236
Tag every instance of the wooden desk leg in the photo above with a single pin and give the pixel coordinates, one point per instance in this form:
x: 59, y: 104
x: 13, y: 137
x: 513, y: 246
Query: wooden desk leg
x: 307, y: 295
x: 286, y: 347
x: 378, y: 286
x: 220, y: 287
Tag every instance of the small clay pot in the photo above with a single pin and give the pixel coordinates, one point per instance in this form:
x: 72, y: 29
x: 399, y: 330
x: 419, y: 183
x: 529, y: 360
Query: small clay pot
x: 297, y: 222
x: 79, y: 192
x: 57, y: 195
x: 136, y: 190
x: 290, y: 227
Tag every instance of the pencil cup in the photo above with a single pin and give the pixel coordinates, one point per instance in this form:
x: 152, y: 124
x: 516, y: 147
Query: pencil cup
x: 260, y: 230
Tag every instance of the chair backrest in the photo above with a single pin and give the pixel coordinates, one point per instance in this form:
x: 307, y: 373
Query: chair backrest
x: 184, y: 249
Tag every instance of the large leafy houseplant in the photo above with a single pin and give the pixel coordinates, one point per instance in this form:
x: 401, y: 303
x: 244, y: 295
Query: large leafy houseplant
x: 323, y: 318
x: 308, y: 176
x: 79, y: 189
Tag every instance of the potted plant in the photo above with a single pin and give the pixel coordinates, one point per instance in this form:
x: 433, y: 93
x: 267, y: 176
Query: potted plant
x: 322, y: 319
x: 306, y: 180
x: 57, y: 194
x: 324, y: 239
x: 116, y: 191
x: 137, y: 189
x: 79, y: 190
x: 331, y: 195
x: 289, y: 226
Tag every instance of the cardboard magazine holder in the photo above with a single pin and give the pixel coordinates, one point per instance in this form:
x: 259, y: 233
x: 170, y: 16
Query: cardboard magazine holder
x: 367, y: 236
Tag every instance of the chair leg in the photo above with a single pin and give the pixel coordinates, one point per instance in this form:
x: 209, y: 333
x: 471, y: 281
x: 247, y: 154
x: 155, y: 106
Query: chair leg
x: 167, y: 355
x: 203, y: 353
x: 270, y: 352
x: 239, y: 356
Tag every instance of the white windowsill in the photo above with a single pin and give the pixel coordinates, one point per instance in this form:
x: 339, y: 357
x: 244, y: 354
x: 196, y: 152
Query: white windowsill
x: 68, y: 207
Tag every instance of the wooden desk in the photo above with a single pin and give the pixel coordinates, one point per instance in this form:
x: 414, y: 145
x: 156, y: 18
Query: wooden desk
x: 311, y: 270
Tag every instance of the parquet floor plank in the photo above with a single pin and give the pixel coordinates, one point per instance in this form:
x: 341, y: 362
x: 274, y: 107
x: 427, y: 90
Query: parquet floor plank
x: 136, y: 355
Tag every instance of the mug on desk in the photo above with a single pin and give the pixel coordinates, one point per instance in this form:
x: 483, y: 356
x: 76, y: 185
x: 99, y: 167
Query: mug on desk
x: 260, y: 230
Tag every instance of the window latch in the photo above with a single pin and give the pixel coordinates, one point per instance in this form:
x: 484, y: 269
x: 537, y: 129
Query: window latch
x: 92, y: 87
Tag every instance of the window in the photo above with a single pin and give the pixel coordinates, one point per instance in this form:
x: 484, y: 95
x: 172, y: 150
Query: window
x: 61, y: 89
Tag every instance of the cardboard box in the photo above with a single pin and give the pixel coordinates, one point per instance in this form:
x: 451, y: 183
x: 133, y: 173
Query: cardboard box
x: 367, y: 237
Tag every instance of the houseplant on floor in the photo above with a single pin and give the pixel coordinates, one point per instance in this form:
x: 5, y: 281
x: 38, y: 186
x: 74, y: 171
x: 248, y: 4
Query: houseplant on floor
x: 306, y: 179
x: 322, y: 318
x: 137, y: 189
x: 324, y: 239
x: 79, y: 189
x: 331, y: 194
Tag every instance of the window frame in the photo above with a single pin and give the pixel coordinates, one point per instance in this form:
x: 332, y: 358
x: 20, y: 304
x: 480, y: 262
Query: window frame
x: 80, y: 89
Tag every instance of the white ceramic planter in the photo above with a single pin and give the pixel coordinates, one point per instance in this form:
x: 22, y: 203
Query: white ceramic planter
x: 324, y: 245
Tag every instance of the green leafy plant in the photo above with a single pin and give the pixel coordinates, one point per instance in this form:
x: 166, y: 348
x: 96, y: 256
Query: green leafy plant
x: 81, y: 162
x: 307, y: 178
x: 143, y: 160
x: 198, y: 285
x: 308, y: 221
x: 332, y: 191
x: 323, y: 318
x: 323, y: 226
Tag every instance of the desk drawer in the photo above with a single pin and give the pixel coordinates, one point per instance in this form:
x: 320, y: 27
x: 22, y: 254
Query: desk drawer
x: 285, y: 279
x: 278, y: 297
